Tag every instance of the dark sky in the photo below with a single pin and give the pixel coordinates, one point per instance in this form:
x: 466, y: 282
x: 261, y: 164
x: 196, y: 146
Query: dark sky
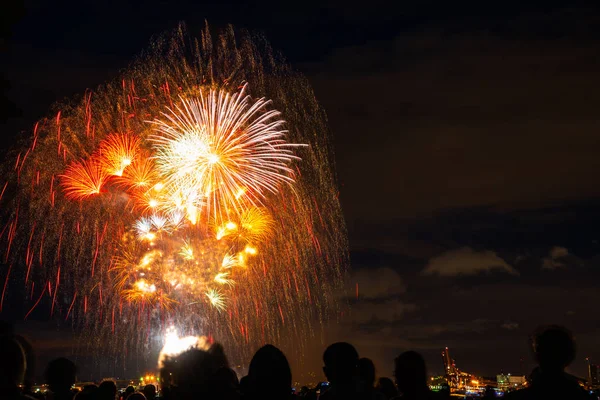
x: 466, y: 138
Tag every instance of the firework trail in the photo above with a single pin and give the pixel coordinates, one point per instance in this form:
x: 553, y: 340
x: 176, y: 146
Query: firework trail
x: 195, y: 191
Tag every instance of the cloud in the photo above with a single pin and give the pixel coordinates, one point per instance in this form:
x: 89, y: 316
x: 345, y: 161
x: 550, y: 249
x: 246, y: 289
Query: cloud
x: 553, y: 260
x: 379, y: 283
x: 466, y: 261
x: 510, y: 326
x: 378, y: 304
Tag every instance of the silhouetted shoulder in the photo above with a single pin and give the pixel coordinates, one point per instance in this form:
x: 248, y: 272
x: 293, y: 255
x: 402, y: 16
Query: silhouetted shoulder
x: 428, y: 396
x: 559, y: 393
x: 519, y: 395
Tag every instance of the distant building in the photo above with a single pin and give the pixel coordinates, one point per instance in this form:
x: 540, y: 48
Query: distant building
x: 509, y: 381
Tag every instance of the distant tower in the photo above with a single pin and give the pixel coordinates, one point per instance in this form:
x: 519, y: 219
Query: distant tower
x: 450, y: 370
x: 448, y: 362
x: 592, y: 373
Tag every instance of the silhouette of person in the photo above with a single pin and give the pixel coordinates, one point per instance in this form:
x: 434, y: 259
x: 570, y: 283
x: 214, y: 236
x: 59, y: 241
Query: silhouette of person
x: 88, y: 392
x: 7, y: 329
x: 554, y: 350
x: 139, y: 396
x: 411, y: 377
x: 189, y: 375
x: 60, y: 376
x: 341, y: 369
x: 269, y: 375
x: 489, y: 393
x: 311, y: 395
x: 129, y: 390
x: 150, y: 392
x: 12, y: 368
x: 30, y: 361
x: 218, y: 352
x: 386, y: 387
x: 303, y: 391
x: 226, y: 382
x: 107, y: 391
x: 366, y: 374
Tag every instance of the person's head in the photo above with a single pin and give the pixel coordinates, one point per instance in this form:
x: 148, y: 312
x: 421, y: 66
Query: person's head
x: 188, y: 375
x: 386, y: 387
x: 410, y: 372
x: 88, y: 392
x: 13, y: 364
x: 150, y: 392
x: 489, y: 392
x: 60, y: 375
x: 269, y: 368
x: 554, y: 348
x: 341, y: 362
x: 366, y: 371
x: 128, y: 390
x: 218, y: 352
x: 107, y: 391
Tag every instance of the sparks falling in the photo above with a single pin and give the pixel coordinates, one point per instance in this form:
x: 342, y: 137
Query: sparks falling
x: 196, y: 190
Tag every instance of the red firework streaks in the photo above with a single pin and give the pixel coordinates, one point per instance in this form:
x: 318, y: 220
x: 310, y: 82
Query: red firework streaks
x: 87, y: 198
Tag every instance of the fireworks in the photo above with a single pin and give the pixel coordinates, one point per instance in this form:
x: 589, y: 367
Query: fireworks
x: 195, y: 191
x: 219, y: 148
x: 117, y: 152
x: 83, y: 179
x: 175, y: 345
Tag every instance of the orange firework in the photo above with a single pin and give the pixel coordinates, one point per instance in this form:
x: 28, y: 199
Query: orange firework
x: 83, y: 179
x: 117, y: 152
x: 141, y: 174
x: 201, y: 211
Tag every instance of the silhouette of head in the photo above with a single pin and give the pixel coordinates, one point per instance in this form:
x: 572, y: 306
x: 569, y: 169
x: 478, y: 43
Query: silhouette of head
x: 341, y: 362
x: 60, y: 375
x: 136, y: 396
x: 188, y: 375
x: 13, y: 364
x: 218, y: 352
x: 366, y: 371
x: 554, y: 348
x: 387, y: 388
x: 89, y: 392
x: 30, y: 361
x: 129, y: 390
x: 226, y: 382
x: 489, y: 393
x: 410, y: 372
x: 150, y: 392
x: 107, y: 391
x: 270, y: 369
x: 245, y: 384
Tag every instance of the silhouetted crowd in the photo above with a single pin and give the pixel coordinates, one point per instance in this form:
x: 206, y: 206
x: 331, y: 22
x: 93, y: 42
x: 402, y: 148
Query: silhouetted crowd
x: 206, y: 374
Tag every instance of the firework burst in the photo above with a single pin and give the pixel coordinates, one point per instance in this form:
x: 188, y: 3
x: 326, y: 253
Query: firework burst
x: 195, y: 191
x: 223, y: 148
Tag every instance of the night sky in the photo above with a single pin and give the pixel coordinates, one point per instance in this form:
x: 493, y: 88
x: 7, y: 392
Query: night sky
x: 466, y: 140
